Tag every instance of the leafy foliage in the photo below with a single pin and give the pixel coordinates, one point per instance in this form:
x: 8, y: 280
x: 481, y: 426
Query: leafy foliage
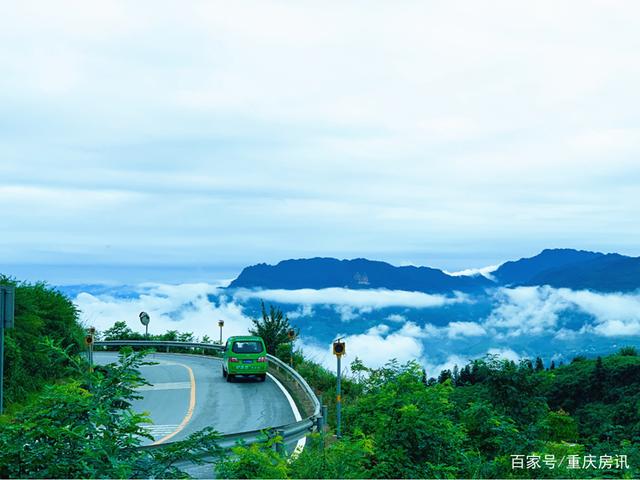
x: 272, y: 327
x: 86, y: 429
x: 398, y: 424
x: 346, y: 458
x: 259, y: 460
x: 410, y: 424
x: 41, y: 313
x: 121, y: 331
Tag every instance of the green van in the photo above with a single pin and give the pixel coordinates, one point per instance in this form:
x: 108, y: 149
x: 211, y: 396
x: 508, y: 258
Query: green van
x: 244, y: 356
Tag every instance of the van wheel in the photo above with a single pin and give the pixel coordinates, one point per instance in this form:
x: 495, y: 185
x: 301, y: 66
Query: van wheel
x: 224, y: 372
x: 262, y: 377
x: 230, y: 377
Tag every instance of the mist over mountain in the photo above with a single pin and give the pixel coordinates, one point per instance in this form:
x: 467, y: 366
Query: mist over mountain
x: 560, y: 268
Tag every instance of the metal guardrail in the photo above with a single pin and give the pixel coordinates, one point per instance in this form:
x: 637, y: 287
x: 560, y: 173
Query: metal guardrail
x: 289, y: 432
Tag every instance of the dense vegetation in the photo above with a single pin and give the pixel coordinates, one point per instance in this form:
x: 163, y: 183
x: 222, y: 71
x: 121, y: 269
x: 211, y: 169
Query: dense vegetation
x: 570, y: 421
x: 67, y: 420
x: 85, y: 428
x: 399, y: 424
x: 42, y: 314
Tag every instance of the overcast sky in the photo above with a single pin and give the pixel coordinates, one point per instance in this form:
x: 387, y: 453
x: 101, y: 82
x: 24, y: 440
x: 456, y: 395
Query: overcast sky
x: 453, y: 134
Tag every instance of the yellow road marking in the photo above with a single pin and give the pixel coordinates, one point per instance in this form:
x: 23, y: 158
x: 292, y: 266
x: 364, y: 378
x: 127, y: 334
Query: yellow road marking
x: 192, y: 406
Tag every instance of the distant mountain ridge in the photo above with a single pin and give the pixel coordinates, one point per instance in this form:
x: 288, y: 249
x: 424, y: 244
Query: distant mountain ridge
x: 523, y: 271
x: 359, y: 273
x: 568, y: 268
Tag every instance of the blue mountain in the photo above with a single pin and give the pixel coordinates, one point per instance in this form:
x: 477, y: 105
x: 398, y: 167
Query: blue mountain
x: 608, y: 273
x: 568, y: 268
x: 355, y: 274
x: 523, y: 271
x: 574, y: 269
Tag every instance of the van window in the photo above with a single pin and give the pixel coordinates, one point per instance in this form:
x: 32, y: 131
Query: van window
x: 251, y: 346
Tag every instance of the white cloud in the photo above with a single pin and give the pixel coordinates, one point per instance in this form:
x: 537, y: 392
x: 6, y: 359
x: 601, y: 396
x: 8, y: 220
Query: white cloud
x: 471, y: 272
x: 453, y: 330
x: 380, y: 329
x: 411, y: 329
x: 616, y: 314
x: 346, y: 312
x: 567, y: 334
x: 465, y: 329
x: 171, y: 307
x: 526, y: 310
x: 433, y: 370
x: 360, y: 299
x: 375, y: 347
x: 521, y: 311
x: 397, y: 318
x: 301, y: 311
x: 505, y: 353
x: 538, y: 310
x: 507, y: 115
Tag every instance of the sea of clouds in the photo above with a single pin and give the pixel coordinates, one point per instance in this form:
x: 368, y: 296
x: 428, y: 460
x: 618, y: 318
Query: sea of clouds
x: 522, y: 322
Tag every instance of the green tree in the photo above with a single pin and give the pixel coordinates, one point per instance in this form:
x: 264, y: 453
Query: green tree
x: 514, y: 389
x: 41, y: 313
x: 119, y: 331
x: 558, y: 427
x: 488, y: 431
x: 86, y: 428
x: 272, y: 327
x: 598, y: 379
x: 628, y: 351
x: 345, y: 458
x: 410, y: 424
x: 258, y: 460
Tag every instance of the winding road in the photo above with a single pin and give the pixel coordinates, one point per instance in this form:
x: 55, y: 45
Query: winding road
x: 189, y: 393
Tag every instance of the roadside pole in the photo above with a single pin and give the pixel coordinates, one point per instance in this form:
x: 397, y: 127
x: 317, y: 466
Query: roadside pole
x: 7, y: 311
x: 338, y: 351
x: 92, y: 332
x: 338, y: 401
x: 88, y: 341
x: 221, y: 324
x: 1, y: 364
x: 292, y: 336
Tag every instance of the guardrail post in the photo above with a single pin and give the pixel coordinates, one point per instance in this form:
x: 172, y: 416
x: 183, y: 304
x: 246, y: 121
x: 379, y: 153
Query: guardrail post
x: 319, y: 419
x: 325, y: 414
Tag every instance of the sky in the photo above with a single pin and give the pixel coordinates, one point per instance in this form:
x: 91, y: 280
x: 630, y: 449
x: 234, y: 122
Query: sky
x: 220, y: 134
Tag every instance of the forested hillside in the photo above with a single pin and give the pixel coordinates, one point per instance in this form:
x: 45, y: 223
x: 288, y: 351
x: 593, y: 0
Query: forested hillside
x: 42, y: 314
x: 574, y: 421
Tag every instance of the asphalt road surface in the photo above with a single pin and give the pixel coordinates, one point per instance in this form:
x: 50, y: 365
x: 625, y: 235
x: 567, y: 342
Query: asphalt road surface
x: 189, y: 393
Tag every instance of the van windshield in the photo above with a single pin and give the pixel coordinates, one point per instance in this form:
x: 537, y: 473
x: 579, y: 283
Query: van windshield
x: 251, y: 346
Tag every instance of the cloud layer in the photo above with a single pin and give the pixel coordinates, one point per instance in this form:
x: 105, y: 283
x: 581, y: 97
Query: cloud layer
x: 186, y: 308
x: 232, y: 133
x: 522, y: 322
x: 362, y: 299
